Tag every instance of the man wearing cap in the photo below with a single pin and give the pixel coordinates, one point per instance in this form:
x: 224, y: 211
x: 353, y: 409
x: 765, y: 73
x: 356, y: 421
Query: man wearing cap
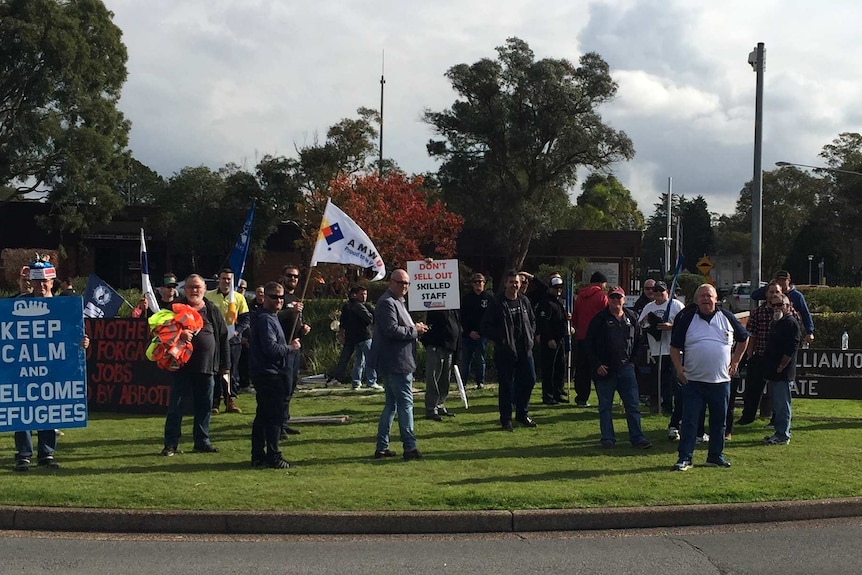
x: 234, y: 309
x: 510, y: 323
x: 165, y: 296
x: 473, y: 343
x: 590, y: 301
x: 657, y: 320
x: 552, y: 328
x: 41, y: 274
x: 705, y: 333
x: 356, y: 325
x: 610, y: 346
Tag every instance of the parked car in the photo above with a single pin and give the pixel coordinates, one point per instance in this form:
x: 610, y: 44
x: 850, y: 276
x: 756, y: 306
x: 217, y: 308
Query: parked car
x: 738, y: 297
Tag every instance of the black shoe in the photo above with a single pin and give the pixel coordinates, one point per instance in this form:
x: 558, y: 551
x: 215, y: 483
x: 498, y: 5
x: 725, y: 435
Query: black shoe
x: 47, y: 461
x: 561, y: 399
x: 291, y: 430
x: 447, y: 414
x: 169, y: 451
x: 22, y: 463
x: 208, y: 448
x: 480, y: 386
x: 742, y: 421
x: 282, y: 464
x: 259, y: 464
x: 434, y: 417
x: 384, y: 453
x: 550, y: 402
x: 527, y: 422
x: 408, y: 455
x: 507, y: 426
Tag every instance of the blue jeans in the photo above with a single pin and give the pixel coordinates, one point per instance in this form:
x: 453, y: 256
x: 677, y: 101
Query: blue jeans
x: 360, y: 361
x: 47, y: 443
x: 694, y: 395
x: 780, y: 391
x: 625, y: 383
x: 196, y: 388
x: 473, y: 349
x: 399, y: 397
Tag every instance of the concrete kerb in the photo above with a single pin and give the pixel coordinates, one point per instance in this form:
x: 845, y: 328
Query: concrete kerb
x: 416, y: 522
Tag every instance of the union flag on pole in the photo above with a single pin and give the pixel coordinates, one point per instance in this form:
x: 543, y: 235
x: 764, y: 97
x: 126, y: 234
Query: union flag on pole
x: 341, y: 241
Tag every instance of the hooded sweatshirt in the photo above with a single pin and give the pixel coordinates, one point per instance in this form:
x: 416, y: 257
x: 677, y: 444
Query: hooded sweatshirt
x: 591, y: 300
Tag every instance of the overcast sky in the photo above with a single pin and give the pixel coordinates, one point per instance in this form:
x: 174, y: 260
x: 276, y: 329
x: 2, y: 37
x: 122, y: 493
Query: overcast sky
x: 217, y: 81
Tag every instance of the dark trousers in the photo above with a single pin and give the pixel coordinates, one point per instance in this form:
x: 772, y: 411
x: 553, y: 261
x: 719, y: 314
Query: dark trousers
x: 292, y: 379
x: 583, y: 374
x: 553, y: 370
x: 755, y: 383
x: 221, y: 387
x: 517, y: 377
x: 268, y: 418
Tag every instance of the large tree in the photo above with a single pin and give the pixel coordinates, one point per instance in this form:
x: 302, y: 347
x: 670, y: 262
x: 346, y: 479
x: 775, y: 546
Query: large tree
x: 62, y: 66
x: 515, y: 137
x: 605, y: 204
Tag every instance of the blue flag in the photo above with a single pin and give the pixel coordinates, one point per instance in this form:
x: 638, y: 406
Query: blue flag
x: 101, y: 301
x: 240, y: 250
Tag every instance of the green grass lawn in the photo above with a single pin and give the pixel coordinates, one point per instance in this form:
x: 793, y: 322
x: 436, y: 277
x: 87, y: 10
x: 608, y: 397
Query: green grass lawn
x: 469, y: 463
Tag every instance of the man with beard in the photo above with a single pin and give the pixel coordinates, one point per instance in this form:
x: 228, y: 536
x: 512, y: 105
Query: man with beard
x: 194, y: 381
x: 780, y: 366
x: 290, y: 318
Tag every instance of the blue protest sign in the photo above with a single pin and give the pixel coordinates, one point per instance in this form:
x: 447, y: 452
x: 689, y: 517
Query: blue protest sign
x: 43, y: 379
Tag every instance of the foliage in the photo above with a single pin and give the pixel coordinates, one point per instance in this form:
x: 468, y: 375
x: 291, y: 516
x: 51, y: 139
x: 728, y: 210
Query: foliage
x: 13, y: 259
x: 513, y: 141
x: 416, y: 229
x: 833, y: 299
x: 605, y: 204
x: 695, y: 229
x: 62, y: 67
x: 141, y: 185
x: 828, y: 328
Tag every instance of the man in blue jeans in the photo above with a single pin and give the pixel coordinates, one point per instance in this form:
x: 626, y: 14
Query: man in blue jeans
x: 393, y: 355
x: 610, y: 344
x: 780, y: 366
x: 357, y: 322
x: 705, y: 333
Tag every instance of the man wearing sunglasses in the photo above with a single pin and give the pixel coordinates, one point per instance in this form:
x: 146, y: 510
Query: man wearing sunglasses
x: 269, y: 351
x: 780, y: 365
x: 294, y: 328
x: 393, y: 355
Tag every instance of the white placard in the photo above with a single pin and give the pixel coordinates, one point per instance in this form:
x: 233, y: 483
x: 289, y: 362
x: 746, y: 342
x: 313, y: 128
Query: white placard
x: 433, y: 285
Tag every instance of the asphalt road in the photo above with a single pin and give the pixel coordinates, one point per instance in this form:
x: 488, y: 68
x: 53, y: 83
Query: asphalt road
x: 805, y: 547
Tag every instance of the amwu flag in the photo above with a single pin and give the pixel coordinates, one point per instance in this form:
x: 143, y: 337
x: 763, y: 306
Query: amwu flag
x: 341, y: 241
x: 100, y: 299
x: 146, y: 286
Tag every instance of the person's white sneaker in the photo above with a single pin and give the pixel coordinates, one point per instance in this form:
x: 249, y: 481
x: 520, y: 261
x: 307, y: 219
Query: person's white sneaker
x: 375, y: 386
x: 672, y: 434
x: 703, y: 438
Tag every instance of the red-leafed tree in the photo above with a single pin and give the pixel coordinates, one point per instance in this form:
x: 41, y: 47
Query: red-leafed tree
x: 397, y: 214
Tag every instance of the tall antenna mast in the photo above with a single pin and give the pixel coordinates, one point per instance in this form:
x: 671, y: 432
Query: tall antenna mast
x: 382, y: 82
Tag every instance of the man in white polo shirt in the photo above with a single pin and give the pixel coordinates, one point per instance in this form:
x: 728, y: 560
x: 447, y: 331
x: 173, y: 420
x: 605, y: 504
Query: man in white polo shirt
x: 705, y: 334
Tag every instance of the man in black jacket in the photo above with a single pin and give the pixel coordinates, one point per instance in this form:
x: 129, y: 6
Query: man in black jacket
x: 474, y: 303
x: 610, y: 343
x: 357, y: 323
x: 441, y: 346
x: 780, y: 366
x: 552, y: 328
x: 510, y: 323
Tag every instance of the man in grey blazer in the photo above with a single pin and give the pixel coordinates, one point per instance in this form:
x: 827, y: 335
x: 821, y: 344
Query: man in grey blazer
x: 393, y: 355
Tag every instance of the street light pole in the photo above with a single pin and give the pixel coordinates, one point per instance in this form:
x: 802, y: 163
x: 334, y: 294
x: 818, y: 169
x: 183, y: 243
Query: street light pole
x: 756, y: 59
x: 782, y: 164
